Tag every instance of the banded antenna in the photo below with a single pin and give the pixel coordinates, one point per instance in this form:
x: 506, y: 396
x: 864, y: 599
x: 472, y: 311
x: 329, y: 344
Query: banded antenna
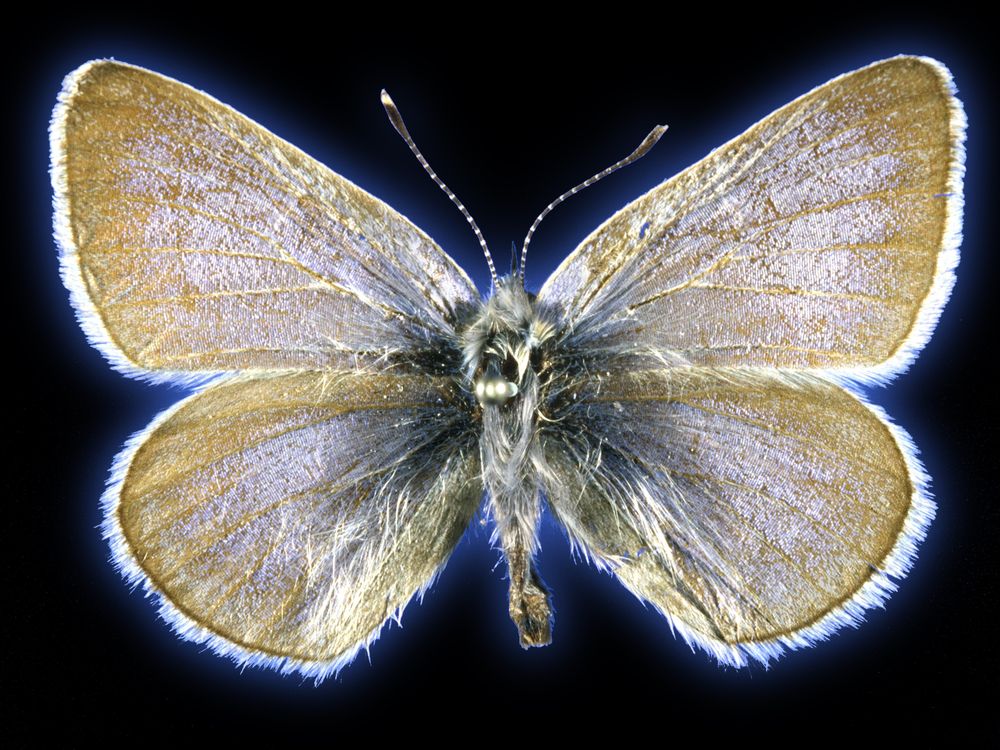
x: 397, y: 122
x: 644, y: 147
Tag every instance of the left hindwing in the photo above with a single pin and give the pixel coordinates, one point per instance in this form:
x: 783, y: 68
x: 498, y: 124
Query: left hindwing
x: 284, y: 519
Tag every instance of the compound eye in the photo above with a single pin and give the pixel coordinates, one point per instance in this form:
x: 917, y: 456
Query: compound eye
x: 536, y: 359
x: 495, y: 391
x: 509, y: 369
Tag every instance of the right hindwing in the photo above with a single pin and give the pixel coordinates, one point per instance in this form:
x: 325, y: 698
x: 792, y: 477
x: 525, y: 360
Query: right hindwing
x: 756, y: 511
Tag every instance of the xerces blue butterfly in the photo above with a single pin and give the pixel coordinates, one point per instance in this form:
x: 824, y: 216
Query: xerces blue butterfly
x: 683, y: 390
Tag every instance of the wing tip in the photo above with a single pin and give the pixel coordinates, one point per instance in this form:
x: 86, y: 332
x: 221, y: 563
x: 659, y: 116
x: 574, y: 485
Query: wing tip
x: 70, y: 270
x: 949, y: 254
x: 62, y: 229
x: 929, y: 313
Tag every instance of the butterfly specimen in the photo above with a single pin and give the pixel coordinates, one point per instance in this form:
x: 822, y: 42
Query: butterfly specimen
x: 681, y: 392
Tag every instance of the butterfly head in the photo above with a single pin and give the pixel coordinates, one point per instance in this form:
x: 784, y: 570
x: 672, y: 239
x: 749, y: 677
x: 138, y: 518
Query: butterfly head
x: 503, y: 347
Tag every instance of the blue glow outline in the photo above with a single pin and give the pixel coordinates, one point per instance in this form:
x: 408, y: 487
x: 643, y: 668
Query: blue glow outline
x: 160, y: 395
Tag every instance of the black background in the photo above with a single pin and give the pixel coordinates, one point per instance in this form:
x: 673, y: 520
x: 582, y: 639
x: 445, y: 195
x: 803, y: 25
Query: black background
x: 510, y: 115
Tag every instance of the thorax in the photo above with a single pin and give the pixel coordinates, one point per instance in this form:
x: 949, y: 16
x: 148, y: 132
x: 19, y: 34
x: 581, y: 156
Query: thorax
x: 504, y: 351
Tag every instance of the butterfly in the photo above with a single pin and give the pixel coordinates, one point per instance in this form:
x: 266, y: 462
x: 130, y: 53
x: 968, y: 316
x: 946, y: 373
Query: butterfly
x: 683, y: 392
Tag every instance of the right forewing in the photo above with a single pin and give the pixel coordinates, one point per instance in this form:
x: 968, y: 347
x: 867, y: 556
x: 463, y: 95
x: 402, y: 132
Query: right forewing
x: 823, y: 238
x: 754, y: 510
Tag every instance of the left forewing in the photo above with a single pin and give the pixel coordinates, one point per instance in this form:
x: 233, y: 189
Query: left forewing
x: 195, y: 242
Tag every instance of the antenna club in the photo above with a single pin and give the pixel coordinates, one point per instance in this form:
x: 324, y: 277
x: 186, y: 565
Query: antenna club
x: 649, y: 141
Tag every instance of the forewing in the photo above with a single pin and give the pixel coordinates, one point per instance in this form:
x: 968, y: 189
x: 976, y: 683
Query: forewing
x: 824, y: 237
x: 194, y: 241
x: 755, y: 511
x: 283, y: 519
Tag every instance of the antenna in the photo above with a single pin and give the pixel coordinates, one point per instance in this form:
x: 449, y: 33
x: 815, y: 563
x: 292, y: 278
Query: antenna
x: 397, y: 122
x: 643, y: 149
